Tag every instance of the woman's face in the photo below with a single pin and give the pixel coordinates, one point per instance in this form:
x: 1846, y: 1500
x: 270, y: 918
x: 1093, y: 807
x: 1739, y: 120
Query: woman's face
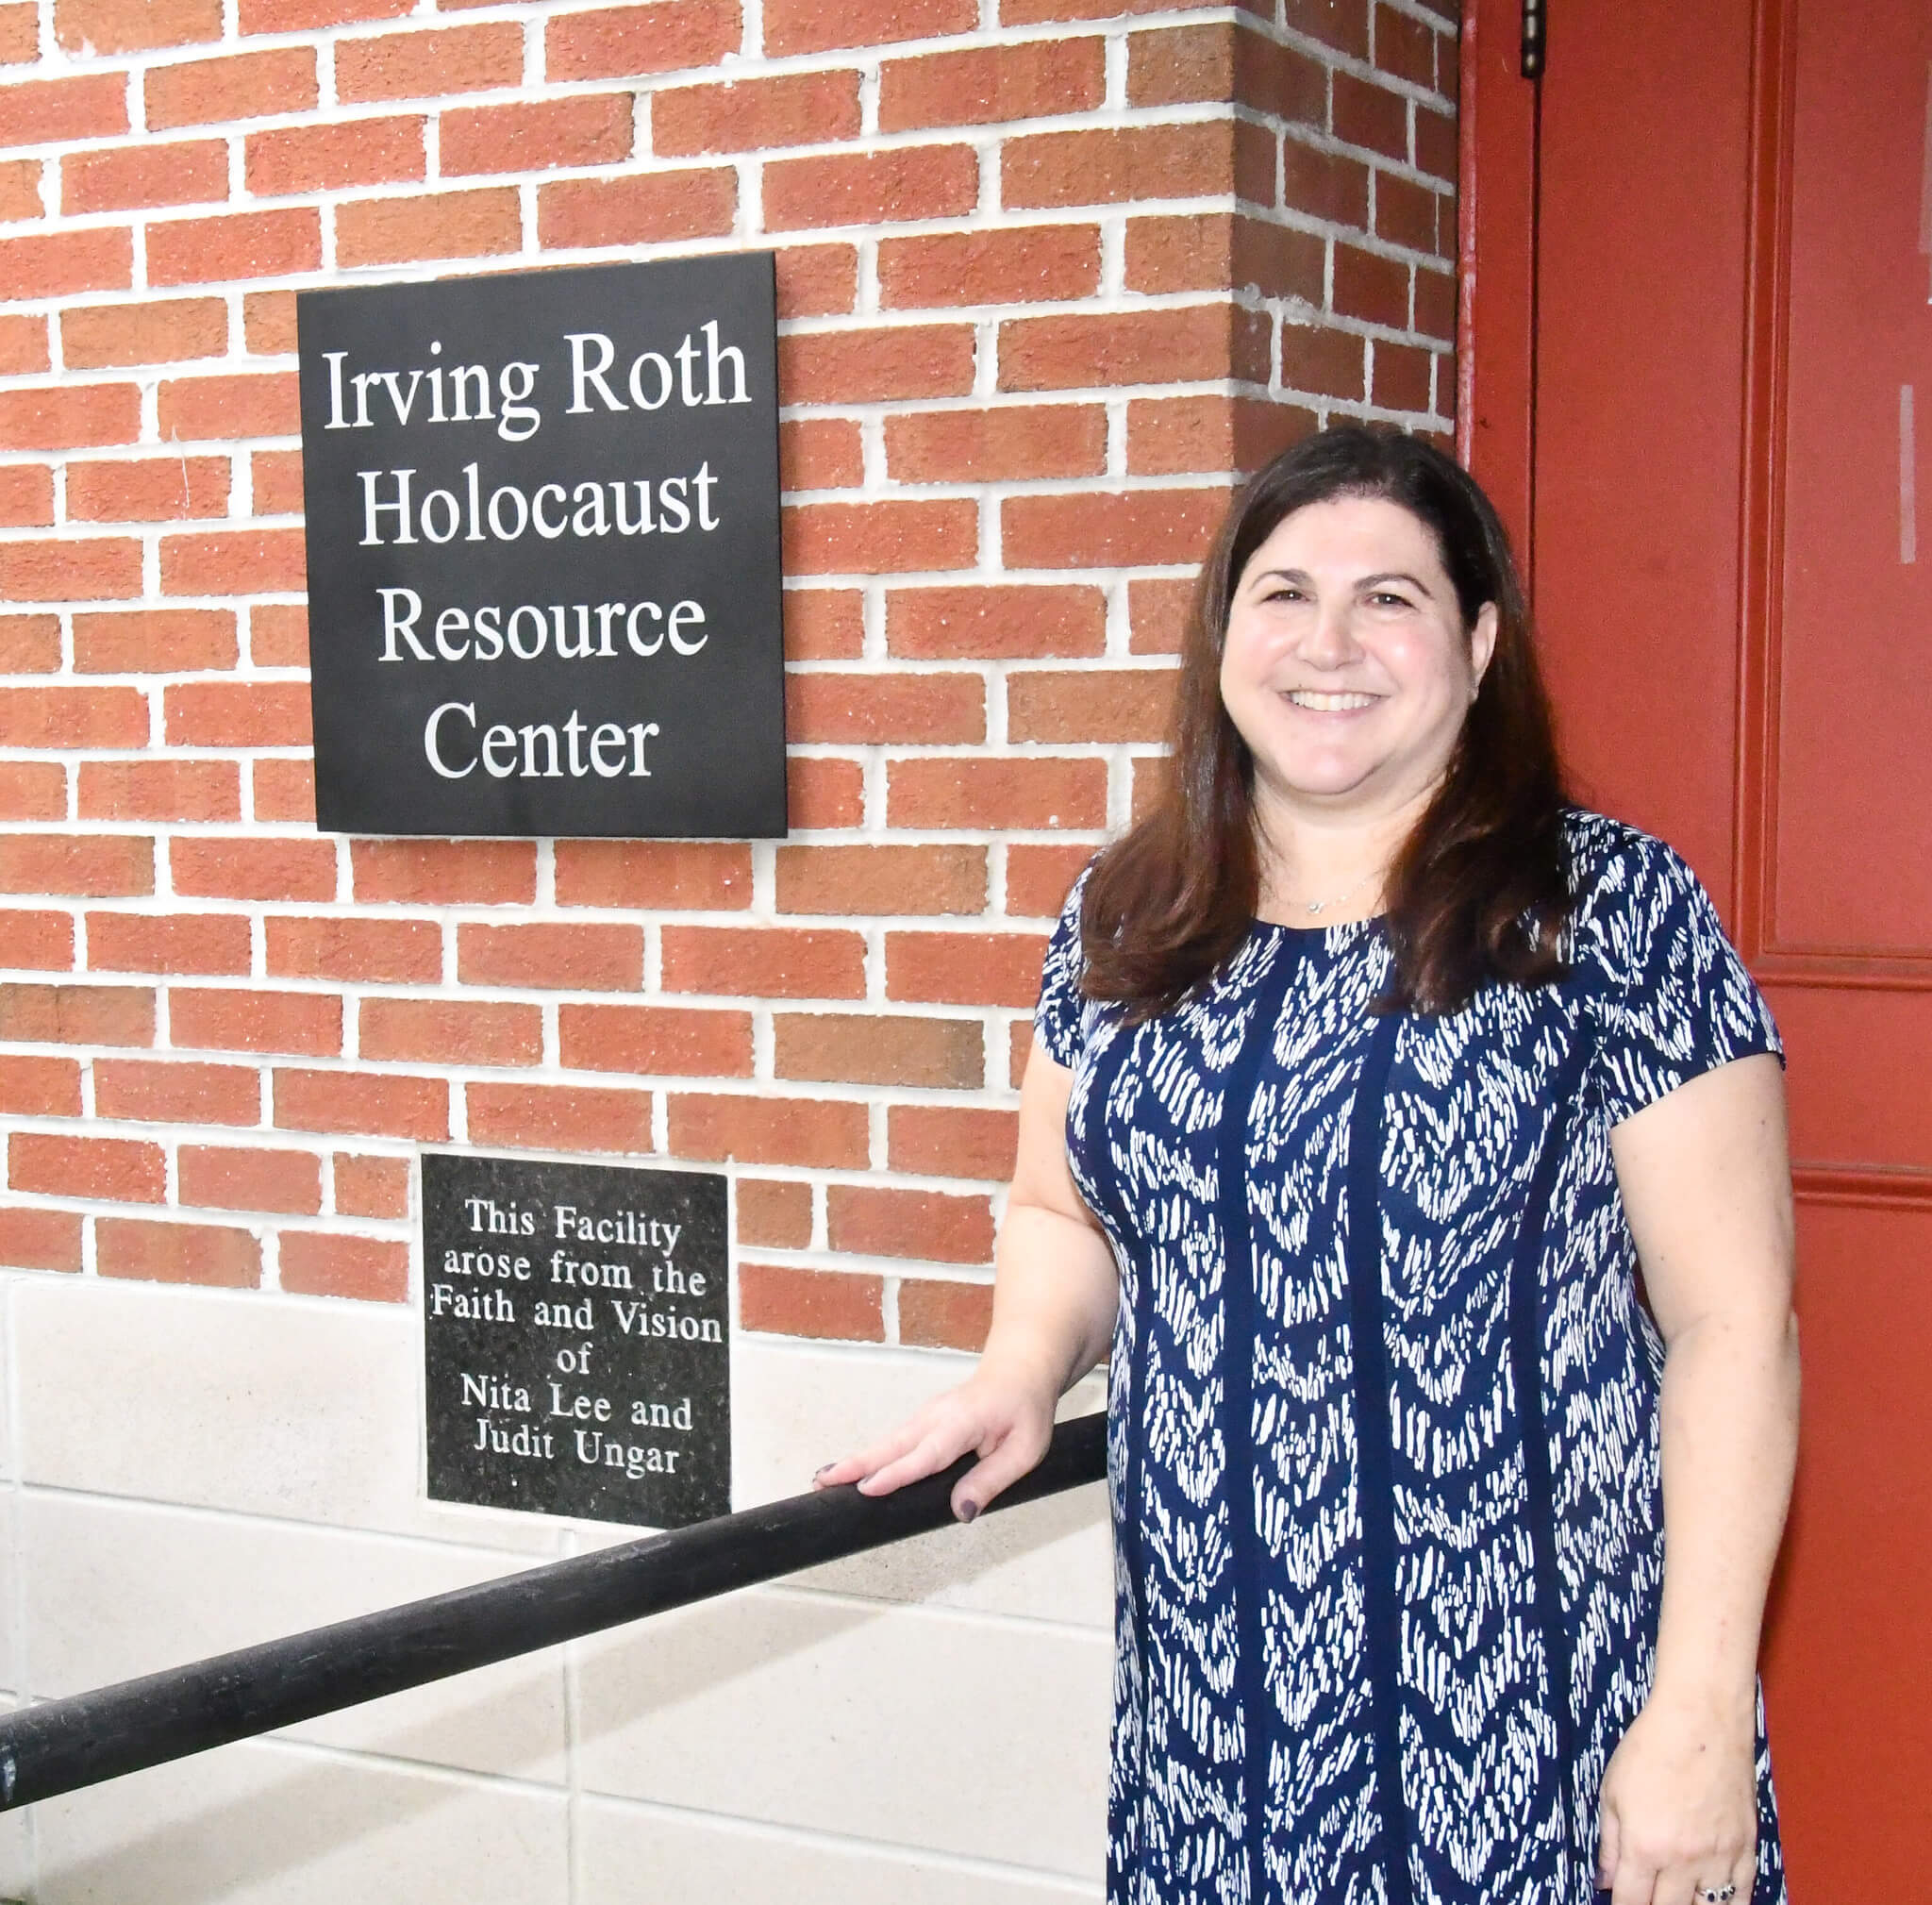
x: 1347, y: 668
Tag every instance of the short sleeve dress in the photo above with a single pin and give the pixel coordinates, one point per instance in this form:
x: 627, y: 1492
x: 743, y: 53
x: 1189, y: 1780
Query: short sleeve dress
x: 1384, y: 1400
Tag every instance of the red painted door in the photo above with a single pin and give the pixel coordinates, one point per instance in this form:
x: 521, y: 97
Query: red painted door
x: 1699, y: 374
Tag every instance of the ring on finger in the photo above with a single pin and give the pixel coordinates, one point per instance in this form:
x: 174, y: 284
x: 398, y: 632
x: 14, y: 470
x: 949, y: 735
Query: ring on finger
x: 1718, y: 1894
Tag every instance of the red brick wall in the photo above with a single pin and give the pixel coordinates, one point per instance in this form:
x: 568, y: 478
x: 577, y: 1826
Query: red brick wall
x: 1051, y: 273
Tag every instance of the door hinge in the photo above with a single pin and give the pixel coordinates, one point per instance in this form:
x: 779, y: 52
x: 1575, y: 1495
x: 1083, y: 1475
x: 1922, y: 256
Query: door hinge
x: 1532, y: 39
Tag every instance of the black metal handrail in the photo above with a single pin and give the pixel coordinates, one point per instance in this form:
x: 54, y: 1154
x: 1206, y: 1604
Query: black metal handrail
x: 61, y: 1745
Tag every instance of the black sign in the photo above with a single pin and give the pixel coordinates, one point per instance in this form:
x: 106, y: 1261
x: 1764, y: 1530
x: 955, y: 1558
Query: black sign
x: 575, y: 1329
x: 543, y: 518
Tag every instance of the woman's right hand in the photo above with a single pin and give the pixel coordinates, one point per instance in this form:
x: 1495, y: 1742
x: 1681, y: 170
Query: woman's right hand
x: 1055, y: 1296
x: 1007, y: 1419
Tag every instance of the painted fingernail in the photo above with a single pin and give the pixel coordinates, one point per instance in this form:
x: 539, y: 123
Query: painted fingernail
x: 968, y: 1509
x: 824, y: 1468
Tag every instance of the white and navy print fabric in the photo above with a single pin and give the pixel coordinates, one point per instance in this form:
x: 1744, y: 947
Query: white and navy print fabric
x: 1383, y: 1400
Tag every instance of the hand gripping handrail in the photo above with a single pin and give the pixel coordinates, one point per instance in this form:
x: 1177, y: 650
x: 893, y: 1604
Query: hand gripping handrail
x: 61, y: 1745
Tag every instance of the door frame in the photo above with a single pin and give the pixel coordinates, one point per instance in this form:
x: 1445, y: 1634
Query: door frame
x: 1498, y: 116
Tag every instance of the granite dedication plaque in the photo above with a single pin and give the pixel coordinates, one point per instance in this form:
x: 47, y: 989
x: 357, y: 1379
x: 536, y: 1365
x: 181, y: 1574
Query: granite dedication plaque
x: 576, y: 1328
x: 543, y: 534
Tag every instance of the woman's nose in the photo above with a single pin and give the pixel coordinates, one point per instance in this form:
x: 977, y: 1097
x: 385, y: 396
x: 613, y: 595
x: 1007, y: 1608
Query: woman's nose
x: 1330, y: 642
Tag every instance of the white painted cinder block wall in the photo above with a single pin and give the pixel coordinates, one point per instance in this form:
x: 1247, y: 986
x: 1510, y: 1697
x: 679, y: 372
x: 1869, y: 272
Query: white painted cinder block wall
x: 188, y: 1471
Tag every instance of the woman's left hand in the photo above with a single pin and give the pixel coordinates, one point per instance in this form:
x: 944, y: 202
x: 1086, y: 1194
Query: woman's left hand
x: 1679, y: 1809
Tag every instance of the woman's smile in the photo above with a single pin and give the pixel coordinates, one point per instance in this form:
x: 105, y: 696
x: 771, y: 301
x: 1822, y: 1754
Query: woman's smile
x: 1321, y: 701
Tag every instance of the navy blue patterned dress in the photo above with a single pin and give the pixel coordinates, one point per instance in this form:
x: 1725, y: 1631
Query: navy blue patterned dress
x: 1384, y: 1423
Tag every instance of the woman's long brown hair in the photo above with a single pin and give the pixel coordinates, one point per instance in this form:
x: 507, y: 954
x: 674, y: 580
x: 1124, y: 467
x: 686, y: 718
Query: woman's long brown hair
x: 1478, y: 892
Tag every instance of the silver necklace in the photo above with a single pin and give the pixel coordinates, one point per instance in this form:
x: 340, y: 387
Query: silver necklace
x: 1315, y: 906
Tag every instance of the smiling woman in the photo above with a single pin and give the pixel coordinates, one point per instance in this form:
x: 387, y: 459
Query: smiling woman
x: 1365, y: 1074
